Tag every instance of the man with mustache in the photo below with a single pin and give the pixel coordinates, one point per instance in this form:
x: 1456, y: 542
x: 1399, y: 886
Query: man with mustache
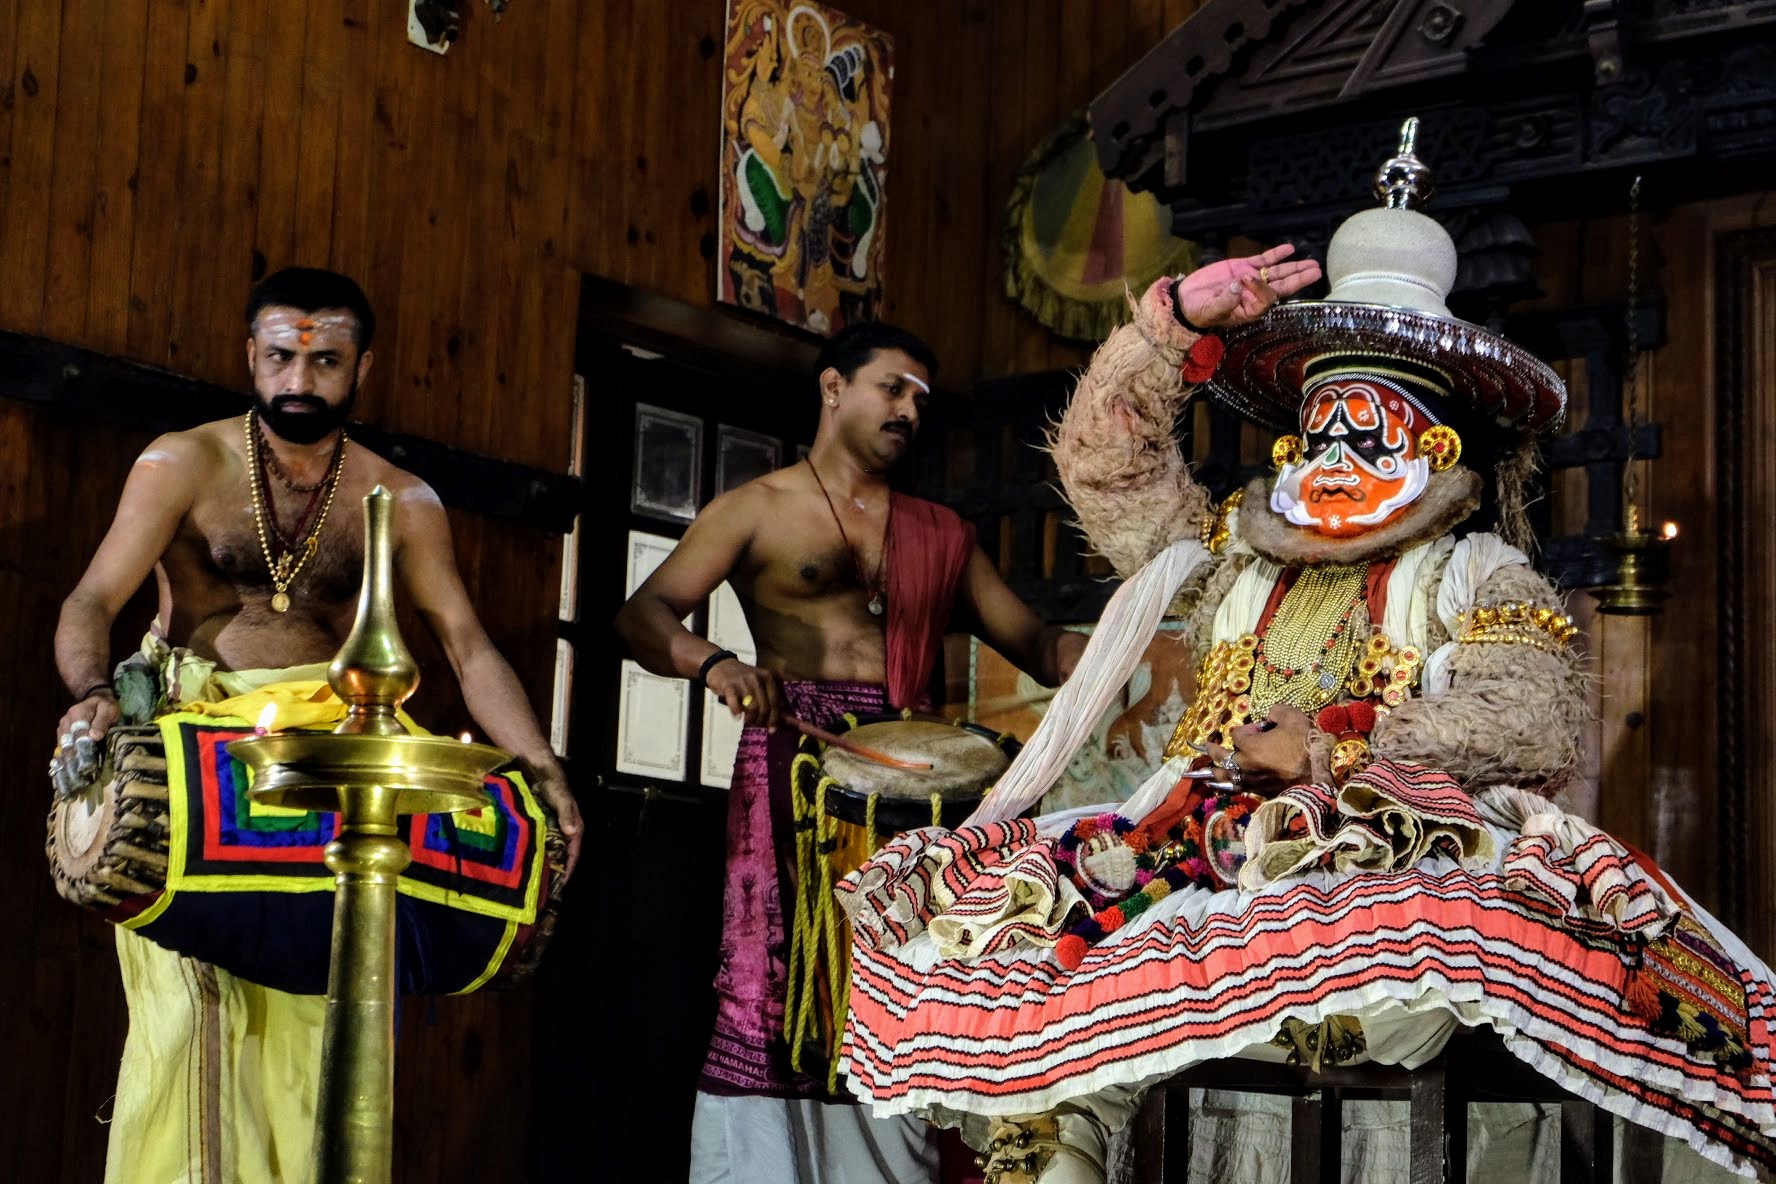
x: 252, y: 529
x: 848, y: 588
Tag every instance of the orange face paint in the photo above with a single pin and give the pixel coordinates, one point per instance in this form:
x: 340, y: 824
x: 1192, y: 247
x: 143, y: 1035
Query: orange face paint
x: 1361, y: 466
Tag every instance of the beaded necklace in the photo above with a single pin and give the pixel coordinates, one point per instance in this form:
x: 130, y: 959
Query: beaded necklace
x: 295, y: 551
x: 1308, y: 651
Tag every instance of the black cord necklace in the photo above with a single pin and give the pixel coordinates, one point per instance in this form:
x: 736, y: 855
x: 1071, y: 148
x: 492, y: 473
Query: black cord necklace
x: 878, y: 590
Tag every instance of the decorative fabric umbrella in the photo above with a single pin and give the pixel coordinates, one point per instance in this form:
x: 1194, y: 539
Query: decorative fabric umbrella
x: 1075, y: 240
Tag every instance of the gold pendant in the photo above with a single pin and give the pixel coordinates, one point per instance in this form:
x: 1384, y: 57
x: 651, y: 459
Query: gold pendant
x: 280, y: 602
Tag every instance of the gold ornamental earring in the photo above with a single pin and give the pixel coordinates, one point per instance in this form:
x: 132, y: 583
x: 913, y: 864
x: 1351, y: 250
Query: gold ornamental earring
x: 1287, y: 451
x: 1441, y: 446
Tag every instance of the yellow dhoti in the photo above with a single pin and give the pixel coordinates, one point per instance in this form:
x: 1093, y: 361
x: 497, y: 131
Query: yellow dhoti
x: 219, y: 1075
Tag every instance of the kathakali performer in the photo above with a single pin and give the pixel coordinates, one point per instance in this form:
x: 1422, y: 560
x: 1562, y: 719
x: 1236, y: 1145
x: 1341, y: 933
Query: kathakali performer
x: 1351, y: 849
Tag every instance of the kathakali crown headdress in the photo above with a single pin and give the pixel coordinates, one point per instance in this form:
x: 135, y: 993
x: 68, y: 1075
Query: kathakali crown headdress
x: 1391, y: 270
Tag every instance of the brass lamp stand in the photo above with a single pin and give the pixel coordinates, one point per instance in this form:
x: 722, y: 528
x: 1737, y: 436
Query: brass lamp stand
x: 1639, y: 588
x: 370, y: 770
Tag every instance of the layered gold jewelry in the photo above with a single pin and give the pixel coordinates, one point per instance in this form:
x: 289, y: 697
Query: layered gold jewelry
x: 1310, y: 647
x: 1519, y: 624
x: 1385, y: 672
x: 285, y: 567
x: 1222, y: 701
x: 1215, y: 530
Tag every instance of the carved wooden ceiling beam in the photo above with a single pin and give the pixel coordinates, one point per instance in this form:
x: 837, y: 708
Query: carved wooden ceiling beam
x: 1268, y: 115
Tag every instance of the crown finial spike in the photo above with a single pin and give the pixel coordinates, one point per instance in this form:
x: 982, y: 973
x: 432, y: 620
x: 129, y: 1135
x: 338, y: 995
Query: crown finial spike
x: 1405, y: 181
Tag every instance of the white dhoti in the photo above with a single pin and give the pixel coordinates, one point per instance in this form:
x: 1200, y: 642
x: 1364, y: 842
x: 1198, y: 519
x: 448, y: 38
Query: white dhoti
x: 758, y: 1140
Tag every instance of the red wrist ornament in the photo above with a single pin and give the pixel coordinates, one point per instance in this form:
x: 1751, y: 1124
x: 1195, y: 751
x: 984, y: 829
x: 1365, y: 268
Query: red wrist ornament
x: 1202, y: 360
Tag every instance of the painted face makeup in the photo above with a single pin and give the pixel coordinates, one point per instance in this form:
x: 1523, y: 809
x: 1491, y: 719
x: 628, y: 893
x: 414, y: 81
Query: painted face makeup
x: 286, y: 328
x: 1360, y: 464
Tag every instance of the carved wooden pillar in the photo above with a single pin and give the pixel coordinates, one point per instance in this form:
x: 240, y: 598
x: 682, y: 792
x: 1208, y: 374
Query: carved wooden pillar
x: 1746, y: 435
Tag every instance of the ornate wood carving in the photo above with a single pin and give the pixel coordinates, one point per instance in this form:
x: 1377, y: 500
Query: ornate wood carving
x: 1746, y: 681
x: 1266, y: 116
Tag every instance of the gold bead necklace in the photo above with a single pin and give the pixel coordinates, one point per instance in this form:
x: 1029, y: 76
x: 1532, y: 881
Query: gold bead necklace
x: 1307, y: 652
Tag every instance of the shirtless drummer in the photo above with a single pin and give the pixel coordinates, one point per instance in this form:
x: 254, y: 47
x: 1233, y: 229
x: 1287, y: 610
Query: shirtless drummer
x: 250, y: 529
x: 848, y: 588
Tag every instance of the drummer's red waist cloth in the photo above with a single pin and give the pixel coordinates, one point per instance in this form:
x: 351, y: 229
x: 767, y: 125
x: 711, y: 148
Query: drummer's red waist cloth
x: 928, y: 550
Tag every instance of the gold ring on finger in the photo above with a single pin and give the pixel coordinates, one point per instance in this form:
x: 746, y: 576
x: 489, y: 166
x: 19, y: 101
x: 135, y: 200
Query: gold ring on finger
x: 1264, y: 274
x: 746, y: 701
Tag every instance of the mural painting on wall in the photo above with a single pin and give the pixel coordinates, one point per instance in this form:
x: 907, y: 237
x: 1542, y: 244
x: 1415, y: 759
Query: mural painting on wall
x: 804, y: 160
x: 1127, y: 744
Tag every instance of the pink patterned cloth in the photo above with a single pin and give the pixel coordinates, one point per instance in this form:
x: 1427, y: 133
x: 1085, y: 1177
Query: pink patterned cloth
x: 747, y: 1054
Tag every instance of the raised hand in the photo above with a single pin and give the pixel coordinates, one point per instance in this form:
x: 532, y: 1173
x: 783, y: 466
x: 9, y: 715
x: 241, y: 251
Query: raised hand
x: 1238, y: 291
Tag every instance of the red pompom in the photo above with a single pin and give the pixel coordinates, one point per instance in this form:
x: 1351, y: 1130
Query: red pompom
x: 1333, y: 720
x: 1070, y: 951
x: 1362, y: 717
x: 1202, y: 361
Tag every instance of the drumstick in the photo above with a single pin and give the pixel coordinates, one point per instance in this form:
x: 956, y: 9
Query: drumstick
x: 869, y: 754
x: 1006, y: 703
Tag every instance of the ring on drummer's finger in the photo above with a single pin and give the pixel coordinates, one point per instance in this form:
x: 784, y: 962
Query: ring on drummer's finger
x: 1264, y: 274
x: 746, y: 700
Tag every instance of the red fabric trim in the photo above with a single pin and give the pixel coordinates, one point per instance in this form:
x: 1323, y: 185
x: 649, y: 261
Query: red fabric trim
x: 928, y: 549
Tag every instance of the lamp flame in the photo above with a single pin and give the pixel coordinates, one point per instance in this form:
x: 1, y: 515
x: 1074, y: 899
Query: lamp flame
x: 267, y: 718
x: 1668, y: 531
x: 467, y: 738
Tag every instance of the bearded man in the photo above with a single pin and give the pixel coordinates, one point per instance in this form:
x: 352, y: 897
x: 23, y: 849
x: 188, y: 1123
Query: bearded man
x: 251, y: 531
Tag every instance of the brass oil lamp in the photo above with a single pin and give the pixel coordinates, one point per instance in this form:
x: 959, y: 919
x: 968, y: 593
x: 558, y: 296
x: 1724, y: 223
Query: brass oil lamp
x: 371, y: 771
